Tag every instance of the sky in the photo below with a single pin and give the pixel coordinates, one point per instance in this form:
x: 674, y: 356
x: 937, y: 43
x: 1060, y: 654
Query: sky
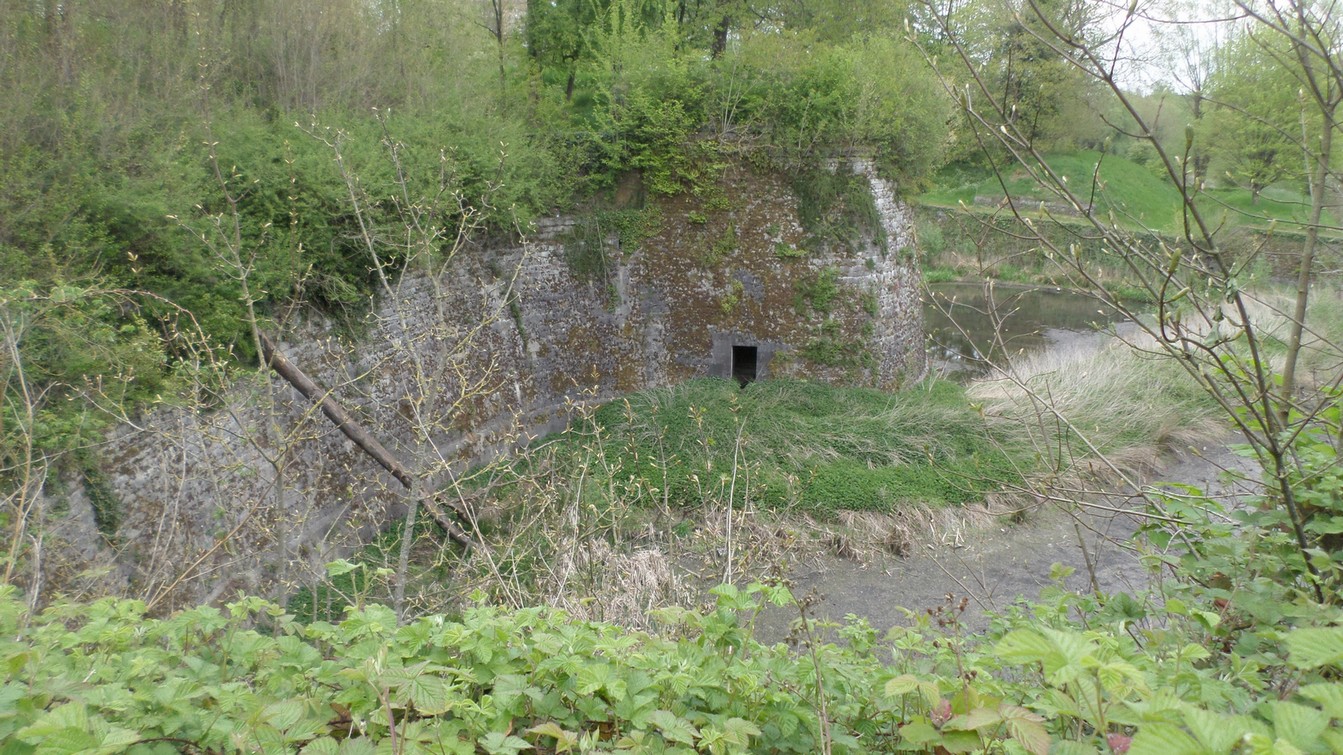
x: 1167, y: 42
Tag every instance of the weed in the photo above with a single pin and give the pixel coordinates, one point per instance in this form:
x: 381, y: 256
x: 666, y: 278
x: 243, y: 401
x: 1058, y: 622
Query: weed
x: 837, y: 208
x: 830, y: 348
x: 819, y: 294
x: 732, y: 299
x: 103, y: 499
x: 515, y: 311
x: 722, y: 248
x: 587, y: 247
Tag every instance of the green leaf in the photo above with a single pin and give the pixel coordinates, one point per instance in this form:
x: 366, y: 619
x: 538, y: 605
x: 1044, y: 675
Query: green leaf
x: 901, y: 685
x: 594, y: 677
x: 321, y: 746
x: 1163, y: 739
x: 673, y: 728
x: 429, y: 694
x: 118, y: 739
x: 1217, y: 733
x: 356, y: 746
x: 1194, y: 652
x: 1024, y: 646
x: 1060, y: 653
x: 1209, y: 619
x: 340, y: 567
x: 1313, y: 647
x: 564, y: 740
x: 497, y: 742
x: 974, y: 720
x: 919, y: 732
x: 1329, y: 696
x: 1027, y: 728
x: 509, y: 689
x: 67, y: 742
x: 1298, y: 724
x: 738, y: 731
x: 960, y: 741
x: 284, y: 714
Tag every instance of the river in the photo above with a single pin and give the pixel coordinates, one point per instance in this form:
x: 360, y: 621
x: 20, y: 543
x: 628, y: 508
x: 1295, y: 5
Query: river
x: 991, y: 566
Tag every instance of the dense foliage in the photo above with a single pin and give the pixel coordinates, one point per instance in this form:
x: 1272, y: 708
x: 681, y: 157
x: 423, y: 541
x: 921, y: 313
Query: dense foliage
x: 179, y: 176
x: 170, y: 184
x: 1194, y: 675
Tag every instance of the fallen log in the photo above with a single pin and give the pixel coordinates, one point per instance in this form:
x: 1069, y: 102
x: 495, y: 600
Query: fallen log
x: 352, y: 430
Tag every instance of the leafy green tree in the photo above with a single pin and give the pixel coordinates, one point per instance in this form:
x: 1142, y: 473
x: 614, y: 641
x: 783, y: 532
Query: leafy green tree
x: 1254, y: 129
x: 1192, y: 55
x: 1043, y: 93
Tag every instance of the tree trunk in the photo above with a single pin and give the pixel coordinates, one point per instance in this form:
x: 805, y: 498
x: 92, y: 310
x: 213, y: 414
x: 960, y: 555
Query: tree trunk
x: 333, y: 410
x: 1318, y: 192
x: 720, y: 34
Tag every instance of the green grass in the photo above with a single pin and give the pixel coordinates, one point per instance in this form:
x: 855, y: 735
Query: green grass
x: 1134, y: 193
x: 1138, y: 197
x: 803, y: 446
x: 1236, y: 207
x: 940, y: 275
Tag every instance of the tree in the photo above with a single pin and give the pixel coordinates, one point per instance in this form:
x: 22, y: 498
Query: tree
x: 1201, y: 316
x: 1192, y: 55
x: 1022, y: 50
x: 1255, y: 124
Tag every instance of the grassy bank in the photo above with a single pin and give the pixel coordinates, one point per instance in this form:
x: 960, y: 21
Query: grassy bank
x: 804, y: 447
x: 1138, y: 197
x: 1072, y: 406
x: 1125, y: 402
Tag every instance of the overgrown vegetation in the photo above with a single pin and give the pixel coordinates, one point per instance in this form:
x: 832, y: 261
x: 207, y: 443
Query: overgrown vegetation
x: 172, y: 188
x: 836, y: 208
x: 504, y: 682
x: 803, y: 448
x: 147, y: 142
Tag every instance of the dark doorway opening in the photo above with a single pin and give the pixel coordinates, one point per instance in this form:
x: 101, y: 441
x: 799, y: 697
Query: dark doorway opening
x: 744, y: 364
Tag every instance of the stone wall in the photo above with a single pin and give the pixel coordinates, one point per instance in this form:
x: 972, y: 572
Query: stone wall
x: 254, y: 490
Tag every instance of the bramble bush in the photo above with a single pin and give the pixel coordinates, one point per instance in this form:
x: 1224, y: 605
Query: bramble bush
x: 1130, y: 676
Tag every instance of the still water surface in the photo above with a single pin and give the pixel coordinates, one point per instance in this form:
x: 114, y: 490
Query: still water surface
x: 969, y: 323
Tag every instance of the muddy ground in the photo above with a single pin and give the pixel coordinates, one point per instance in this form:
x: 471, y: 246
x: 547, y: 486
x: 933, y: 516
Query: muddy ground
x: 995, y: 566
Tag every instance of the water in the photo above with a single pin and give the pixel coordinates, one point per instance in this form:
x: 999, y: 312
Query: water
x: 991, y: 566
x: 971, y: 323
x: 994, y: 566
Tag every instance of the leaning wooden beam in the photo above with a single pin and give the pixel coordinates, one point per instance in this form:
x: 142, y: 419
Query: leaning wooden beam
x: 352, y: 430
x: 333, y: 410
x: 449, y: 526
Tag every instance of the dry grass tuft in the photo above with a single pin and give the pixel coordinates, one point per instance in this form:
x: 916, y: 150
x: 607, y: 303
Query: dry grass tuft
x: 865, y: 535
x: 1072, y: 406
x: 601, y: 584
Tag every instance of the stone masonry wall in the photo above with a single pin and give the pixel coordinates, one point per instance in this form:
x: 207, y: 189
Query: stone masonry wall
x: 253, y: 491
